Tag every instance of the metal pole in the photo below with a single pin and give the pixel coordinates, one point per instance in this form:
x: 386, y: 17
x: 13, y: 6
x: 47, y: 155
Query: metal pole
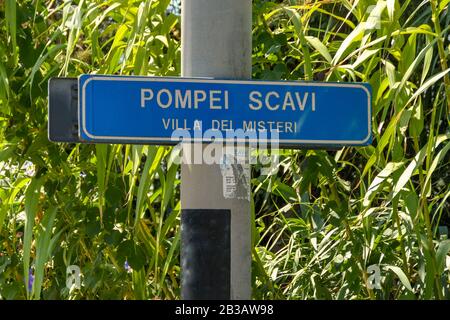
x: 215, y: 224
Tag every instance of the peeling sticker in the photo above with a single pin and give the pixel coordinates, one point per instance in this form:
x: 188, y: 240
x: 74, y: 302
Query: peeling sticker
x: 236, y: 178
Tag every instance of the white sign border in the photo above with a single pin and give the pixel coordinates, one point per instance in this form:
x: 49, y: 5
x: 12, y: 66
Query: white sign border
x: 82, y: 106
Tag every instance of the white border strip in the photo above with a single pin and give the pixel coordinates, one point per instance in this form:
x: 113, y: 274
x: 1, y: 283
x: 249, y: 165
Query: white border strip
x: 82, y: 107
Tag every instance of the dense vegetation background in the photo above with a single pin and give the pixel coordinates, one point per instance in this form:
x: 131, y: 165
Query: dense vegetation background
x: 320, y: 222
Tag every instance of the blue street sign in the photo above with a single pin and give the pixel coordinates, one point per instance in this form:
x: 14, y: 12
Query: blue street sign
x: 160, y: 110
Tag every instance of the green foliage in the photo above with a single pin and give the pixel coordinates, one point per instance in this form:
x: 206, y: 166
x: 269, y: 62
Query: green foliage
x: 319, y: 222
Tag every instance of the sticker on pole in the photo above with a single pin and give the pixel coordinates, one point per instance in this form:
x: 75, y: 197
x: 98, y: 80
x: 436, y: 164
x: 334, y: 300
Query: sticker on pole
x: 161, y: 110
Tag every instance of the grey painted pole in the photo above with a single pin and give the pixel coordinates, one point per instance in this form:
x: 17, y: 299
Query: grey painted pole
x: 215, y: 224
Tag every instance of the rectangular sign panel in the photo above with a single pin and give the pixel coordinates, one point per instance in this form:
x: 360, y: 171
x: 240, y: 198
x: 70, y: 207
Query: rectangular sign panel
x: 159, y: 110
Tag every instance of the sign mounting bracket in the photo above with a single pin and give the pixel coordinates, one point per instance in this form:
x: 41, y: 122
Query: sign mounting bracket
x: 63, y: 110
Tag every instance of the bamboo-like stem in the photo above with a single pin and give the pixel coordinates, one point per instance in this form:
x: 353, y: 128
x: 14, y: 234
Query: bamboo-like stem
x: 426, y: 216
x: 400, y: 235
x: 442, y: 56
